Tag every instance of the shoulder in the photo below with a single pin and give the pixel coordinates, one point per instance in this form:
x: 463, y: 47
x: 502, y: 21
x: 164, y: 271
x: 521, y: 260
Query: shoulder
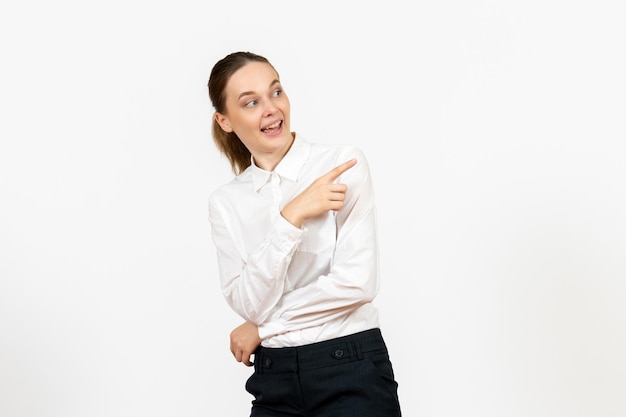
x: 337, y: 152
x: 326, y: 156
x: 233, y: 188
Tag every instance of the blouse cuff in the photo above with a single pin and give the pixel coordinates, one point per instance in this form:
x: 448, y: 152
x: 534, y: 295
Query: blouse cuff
x: 287, y: 235
x: 270, y: 329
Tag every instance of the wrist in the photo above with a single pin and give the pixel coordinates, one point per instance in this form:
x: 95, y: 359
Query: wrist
x: 291, y: 217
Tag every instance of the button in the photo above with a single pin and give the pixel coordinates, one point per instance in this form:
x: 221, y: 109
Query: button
x: 338, y: 354
x: 267, y: 362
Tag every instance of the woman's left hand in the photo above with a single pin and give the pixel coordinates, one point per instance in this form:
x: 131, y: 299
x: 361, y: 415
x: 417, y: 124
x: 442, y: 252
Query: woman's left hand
x: 244, y: 340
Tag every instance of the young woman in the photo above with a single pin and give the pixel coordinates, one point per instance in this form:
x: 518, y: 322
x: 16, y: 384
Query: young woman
x: 295, y: 234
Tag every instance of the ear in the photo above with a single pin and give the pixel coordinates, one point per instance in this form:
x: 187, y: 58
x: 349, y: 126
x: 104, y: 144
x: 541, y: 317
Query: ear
x: 222, y: 120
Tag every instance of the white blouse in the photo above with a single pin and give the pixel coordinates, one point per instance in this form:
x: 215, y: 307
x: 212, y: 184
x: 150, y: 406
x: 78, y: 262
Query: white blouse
x: 299, y: 285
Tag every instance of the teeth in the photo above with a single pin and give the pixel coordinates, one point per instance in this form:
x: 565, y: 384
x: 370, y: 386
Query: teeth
x: 272, y: 126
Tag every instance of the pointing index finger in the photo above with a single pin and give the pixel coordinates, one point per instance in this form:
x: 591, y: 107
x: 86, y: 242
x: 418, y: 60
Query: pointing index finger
x: 334, y: 173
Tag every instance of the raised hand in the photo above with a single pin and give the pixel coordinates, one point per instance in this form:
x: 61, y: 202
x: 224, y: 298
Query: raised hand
x: 319, y: 197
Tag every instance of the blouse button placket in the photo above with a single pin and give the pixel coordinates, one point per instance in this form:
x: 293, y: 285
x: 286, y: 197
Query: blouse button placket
x: 276, y: 193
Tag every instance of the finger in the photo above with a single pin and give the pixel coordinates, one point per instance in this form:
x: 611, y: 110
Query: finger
x: 336, y: 196
x: 334, y: 173
x: 246, y: 360
x: 338, y: 188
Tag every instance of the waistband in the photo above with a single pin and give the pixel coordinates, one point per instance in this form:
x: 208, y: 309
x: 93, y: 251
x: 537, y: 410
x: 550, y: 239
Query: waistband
x: 320, y: 354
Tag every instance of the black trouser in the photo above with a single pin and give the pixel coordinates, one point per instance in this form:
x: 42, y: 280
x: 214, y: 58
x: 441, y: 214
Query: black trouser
x: 349, y: 376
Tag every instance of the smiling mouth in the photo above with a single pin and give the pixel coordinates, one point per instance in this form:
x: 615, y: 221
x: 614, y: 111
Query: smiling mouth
x: 272, y: 127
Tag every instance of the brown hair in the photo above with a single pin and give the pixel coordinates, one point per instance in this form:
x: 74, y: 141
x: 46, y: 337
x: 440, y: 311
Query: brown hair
x: 229, y: 144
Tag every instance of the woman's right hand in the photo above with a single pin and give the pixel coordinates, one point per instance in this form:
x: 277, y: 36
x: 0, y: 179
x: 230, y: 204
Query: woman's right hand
x: 319, y: 197
x: 244, y: 340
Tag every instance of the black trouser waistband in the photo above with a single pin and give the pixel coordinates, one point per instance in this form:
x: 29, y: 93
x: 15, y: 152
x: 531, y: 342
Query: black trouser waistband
x: 317, y: 355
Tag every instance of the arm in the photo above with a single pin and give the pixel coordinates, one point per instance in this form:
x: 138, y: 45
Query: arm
x: 353, y: 277
x: 252, y: 285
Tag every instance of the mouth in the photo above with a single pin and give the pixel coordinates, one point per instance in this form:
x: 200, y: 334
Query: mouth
x: 273, y: 127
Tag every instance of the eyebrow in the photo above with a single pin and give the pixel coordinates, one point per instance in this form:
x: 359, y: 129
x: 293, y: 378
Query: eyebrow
x: 247, y: 93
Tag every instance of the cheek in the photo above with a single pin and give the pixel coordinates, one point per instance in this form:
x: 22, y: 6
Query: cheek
x: 237, y: 120
x: 244, y: 126
x: 249, y: 121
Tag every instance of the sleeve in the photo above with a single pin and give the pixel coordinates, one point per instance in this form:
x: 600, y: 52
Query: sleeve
x: 252, y: 285
x: 353, y: 277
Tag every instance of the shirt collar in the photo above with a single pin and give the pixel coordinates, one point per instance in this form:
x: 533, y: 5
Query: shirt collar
x: 289, y: 167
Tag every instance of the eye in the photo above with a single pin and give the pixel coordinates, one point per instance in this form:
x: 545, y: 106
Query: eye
x: 277, y: 93
x: 251, y: 103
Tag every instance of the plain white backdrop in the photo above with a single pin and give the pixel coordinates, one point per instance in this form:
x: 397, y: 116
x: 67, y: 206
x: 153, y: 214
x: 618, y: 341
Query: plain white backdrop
x: 496, y: 138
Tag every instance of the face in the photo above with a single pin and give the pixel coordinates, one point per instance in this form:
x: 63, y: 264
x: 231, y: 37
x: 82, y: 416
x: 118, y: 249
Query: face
x: 257, y: 110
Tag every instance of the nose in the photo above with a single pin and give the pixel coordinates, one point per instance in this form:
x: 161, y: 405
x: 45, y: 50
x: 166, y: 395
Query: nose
x: 269, y: 109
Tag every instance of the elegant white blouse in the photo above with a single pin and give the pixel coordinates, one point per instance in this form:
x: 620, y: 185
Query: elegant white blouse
x: 299, y: 285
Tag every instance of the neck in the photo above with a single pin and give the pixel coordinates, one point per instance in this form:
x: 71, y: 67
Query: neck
x: 269, y: 161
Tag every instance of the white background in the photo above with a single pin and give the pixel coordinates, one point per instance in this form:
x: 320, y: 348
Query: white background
x: 495, y: 134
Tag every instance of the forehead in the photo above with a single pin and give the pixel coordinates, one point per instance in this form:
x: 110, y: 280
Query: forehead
x: 252, y: 77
